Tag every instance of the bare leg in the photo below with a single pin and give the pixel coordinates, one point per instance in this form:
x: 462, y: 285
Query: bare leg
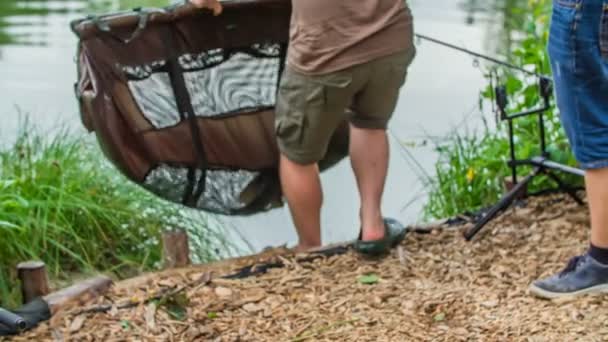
x: 369, y: 152
x: 302, y: 188
x: 597, y: 195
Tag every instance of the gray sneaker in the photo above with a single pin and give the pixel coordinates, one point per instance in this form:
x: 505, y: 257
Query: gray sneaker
x: 582, y: 275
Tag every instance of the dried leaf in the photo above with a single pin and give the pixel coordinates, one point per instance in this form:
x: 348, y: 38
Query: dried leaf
x: 57, y: 335
x: 149, y: 316
x: 252, y: 308
x: 167, y: 282
x: 223, y: 292
x: 77, y: 323
x: 490, y: 304
x: 113, y: 311
x: 401, y: 253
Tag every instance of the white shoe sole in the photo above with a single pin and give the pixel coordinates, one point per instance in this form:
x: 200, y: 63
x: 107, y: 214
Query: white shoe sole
x: 538, y: 292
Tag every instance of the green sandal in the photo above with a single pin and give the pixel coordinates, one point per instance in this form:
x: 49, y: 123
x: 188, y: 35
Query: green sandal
x: 394, y: 234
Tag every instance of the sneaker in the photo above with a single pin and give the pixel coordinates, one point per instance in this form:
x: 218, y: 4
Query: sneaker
x: 583, y: 275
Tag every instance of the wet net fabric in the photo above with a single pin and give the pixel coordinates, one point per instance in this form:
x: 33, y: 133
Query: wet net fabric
x: 223, y: 187
x: 242, y: 83
x: 218, y: 83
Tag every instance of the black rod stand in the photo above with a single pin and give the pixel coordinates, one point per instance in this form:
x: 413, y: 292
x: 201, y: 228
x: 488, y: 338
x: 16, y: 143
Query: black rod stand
x: 541, y: 164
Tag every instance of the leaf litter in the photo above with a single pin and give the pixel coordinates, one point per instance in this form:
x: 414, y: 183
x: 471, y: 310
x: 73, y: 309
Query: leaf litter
x: 433, y: 287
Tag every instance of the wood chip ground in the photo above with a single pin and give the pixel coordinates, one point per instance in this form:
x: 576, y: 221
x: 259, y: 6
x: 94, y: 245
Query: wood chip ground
x: 433, y: 287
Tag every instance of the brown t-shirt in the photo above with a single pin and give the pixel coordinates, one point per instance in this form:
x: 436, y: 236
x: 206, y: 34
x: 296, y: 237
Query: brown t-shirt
x: 329, y: 35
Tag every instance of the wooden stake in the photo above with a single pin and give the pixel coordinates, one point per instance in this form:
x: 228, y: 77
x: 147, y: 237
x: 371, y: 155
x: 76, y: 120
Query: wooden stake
x: 34, y: 280
x: 176, y: 250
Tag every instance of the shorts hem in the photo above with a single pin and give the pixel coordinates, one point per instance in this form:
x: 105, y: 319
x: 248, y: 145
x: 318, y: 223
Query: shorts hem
x: 298, y: 158
x: 594, y: 165
x: 362, y: 124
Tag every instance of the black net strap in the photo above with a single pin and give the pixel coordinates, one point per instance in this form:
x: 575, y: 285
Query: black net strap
x: 184, y: 104
x: 283, y: 58
x: 247, y: 83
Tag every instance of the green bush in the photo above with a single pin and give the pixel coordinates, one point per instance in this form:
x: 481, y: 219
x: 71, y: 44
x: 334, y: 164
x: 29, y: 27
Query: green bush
x: 471, y: 169
x: 62, y: 203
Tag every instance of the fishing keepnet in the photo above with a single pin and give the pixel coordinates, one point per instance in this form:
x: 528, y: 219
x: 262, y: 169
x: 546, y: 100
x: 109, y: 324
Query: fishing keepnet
x: 182, y: 102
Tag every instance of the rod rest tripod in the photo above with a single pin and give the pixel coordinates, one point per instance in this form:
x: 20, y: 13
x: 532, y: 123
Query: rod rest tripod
x: 542, y: 164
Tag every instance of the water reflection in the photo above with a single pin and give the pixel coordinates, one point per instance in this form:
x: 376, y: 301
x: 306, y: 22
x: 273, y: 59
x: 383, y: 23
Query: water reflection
x: 504, y: 20
x: 26, y: 22
x: 23, y: 22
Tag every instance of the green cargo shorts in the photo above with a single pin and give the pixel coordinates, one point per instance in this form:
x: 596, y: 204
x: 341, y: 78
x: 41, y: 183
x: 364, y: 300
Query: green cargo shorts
x: 310, y: 107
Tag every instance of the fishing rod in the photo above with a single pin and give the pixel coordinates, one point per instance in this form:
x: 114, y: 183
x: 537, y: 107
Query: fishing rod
x: 482, y: 56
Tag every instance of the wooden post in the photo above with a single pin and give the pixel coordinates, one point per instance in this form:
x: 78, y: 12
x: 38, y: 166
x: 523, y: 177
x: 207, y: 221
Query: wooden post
x: 34, y: 280
x: 176, y: 251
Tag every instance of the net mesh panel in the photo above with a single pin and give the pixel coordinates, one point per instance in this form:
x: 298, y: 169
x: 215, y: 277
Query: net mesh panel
x: 219, y: 82
x: 223, y: 188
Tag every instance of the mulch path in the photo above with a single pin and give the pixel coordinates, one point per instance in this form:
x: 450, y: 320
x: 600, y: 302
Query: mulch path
x: 434, y: 287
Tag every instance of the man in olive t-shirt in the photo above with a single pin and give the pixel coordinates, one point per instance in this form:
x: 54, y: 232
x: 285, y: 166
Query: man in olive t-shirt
x: 344, y: 56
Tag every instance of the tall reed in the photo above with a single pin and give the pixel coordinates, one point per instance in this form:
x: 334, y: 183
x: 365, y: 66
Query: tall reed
x: 61, y: 202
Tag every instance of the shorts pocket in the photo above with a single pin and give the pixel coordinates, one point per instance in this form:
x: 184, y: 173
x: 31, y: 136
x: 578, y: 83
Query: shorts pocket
x: 331, y: 94
x: 289, y: 129
x: 604, y: 32
x: 565, y: 13
x: 400, y: 67
x: 293, y: 104
x: 396, y: 68
x: 563, y: 31
x: 566, y: 3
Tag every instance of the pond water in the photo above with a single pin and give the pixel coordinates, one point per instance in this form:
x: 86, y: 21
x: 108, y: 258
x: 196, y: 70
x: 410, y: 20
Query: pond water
x: 37, y: 71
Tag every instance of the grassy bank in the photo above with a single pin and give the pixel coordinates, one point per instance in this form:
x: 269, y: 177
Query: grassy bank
x: 61, y: 202
x: 471, y: 168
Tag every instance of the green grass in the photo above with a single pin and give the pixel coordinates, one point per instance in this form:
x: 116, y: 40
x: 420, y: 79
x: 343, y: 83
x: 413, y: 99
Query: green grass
x: 467, y: 175
x: 62, y: 203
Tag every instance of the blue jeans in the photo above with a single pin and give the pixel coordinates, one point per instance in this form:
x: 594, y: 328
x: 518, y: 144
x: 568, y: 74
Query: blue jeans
x: 578, y: 48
